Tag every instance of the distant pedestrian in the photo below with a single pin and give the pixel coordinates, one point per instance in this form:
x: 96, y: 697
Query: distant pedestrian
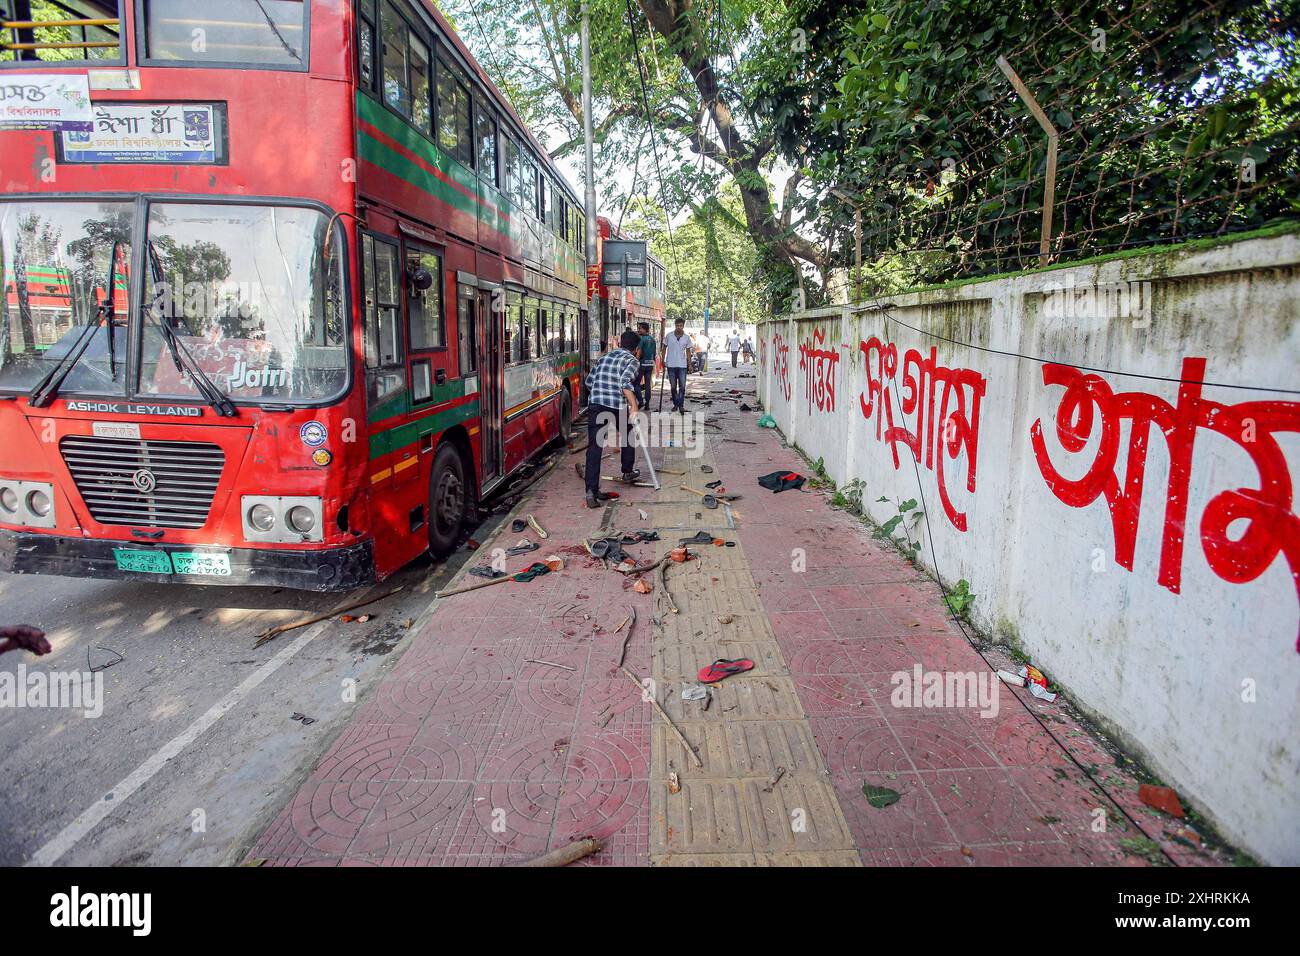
x: 647, y: 353
x: 748, y: 349
x: 702, y: 345
x: 611, y: 409
x: 677, y: 359
x: 733, y: 346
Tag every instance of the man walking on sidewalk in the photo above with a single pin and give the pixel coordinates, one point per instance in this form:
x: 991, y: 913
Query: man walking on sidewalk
x: 677, y: 359
x: 748, y: 348
x: 733, y: 346
x: 702, y: 345
x: 647, y: 363
x: 611, y: 408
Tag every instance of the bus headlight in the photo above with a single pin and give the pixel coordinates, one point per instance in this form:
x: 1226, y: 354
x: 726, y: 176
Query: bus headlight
x: 29, y: 503
x: 282, y: 519
x: 261, y: 517
x: 38, y: 503
x: 300, y: 519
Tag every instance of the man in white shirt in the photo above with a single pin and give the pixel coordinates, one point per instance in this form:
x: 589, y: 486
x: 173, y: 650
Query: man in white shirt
x: 677, y: 358
x: 702, y: 345
x: 733, y: 346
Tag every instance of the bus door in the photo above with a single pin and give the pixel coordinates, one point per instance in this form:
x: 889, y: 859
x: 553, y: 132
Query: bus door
x: 491, y: 367
x: 385, y: 356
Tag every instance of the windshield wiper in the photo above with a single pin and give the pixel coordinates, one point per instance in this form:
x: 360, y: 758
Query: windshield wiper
x: 185, y: 362
x: 44, y: 391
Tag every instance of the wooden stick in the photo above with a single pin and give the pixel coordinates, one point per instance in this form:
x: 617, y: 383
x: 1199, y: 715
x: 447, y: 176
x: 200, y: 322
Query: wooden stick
x: 565, y: 855
x: 663, y: 585
x: 529, y: 660
x: 475, y: 586
x: 272, y: 633
x: 622, y: 654
x: 668, y: 720
x: 706, y: 494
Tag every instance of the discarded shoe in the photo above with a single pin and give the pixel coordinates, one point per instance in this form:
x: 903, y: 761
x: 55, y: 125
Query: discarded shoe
x: 723, y: 668
x: 700, y: 537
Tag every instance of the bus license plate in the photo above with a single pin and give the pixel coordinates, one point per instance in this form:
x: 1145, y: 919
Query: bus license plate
x: 197, y: 562
x: 148, y: 562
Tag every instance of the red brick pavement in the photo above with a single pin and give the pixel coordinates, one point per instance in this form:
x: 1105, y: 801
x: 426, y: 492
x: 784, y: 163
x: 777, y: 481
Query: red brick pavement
x: 466, y: 754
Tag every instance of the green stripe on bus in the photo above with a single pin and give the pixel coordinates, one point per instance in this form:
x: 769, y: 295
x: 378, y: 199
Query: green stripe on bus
x: 399, y: 436
x: 387, y: 158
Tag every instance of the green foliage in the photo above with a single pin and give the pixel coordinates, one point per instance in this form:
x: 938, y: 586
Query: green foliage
x: 849, y: 498
x: 880, y: 797
x: 959, y: 599
x: 907, y: 110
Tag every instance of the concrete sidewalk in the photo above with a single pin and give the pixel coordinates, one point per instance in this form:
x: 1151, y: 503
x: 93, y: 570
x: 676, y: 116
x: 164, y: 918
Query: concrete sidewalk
x: 471, y: 752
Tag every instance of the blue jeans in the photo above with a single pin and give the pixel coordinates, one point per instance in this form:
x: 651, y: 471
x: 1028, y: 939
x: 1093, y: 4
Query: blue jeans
x: 677, y: 380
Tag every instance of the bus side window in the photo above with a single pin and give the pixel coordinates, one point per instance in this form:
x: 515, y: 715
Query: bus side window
x: 467, y: 330
x: 382, y: 335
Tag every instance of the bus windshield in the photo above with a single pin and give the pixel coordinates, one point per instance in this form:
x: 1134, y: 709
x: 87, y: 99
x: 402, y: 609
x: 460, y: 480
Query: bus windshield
x: 249, y: 295
x: 253, y: 295
x: 55, y: 265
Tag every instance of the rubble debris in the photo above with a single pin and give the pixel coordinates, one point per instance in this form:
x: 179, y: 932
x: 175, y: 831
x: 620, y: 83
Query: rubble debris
x: 654, y: 702
x: 565, y: 855
x: 1161, y: 798
x: 1036, y: 683
x: 529, y: 660
x: 776, y: 778
x: 272, y: 633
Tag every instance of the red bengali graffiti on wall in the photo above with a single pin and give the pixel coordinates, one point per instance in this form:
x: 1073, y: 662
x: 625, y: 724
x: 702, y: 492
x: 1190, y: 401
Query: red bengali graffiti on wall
x: 781, y: 363
x: 954, y: 426
x: 818, y: 365
x: 1089, y: 407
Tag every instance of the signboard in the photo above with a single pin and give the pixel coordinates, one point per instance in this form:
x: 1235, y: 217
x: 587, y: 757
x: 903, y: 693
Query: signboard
x: 623, y: 262
x: 45, y: 101
x: 149, y: 133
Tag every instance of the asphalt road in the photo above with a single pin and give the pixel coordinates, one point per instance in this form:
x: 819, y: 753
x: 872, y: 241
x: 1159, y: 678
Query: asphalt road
x: 195, y: 748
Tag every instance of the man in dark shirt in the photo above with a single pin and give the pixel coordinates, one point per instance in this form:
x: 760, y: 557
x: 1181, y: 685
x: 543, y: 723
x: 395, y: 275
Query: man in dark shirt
x: 647, y: 362
x: 611, y: 387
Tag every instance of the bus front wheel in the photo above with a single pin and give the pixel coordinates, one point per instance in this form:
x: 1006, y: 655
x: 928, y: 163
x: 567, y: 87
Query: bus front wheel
x: 448, y: 501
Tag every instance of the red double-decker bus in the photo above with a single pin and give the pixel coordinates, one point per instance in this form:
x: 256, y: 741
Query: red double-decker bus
x: 348, y: 289
x: 615, y: 308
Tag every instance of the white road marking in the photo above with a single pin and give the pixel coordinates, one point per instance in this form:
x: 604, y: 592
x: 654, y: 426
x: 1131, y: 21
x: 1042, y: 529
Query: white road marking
x: 90, y: 818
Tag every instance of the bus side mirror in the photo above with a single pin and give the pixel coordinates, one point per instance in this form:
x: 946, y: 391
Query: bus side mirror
x: 418, y: 279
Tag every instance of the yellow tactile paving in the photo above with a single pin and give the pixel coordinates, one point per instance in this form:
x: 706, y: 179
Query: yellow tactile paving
x: 732, y: 811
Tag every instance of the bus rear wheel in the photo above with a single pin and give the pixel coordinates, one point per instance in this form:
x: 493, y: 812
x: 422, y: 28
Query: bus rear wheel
x: 448, y: 501
x: 566, y: 417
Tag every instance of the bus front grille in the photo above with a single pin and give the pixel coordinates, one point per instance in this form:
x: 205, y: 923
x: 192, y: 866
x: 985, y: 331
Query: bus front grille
x: 152, y: 484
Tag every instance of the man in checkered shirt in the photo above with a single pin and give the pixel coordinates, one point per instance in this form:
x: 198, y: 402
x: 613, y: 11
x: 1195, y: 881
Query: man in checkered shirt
x: 611, y: 403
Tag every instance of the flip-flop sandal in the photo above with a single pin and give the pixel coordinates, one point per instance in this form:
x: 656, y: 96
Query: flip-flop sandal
x: 723, y: 668
x: 714, y: 484
x: 700, y: 537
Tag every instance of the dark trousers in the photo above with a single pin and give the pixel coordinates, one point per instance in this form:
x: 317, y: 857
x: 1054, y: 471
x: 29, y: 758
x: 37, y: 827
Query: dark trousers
x: 677, y: 381
x: 734, y: 356
x: 601, y: 419
x: 646, y: 381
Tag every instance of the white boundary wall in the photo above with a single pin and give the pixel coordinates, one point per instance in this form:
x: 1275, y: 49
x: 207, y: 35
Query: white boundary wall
x: 1189, y: 653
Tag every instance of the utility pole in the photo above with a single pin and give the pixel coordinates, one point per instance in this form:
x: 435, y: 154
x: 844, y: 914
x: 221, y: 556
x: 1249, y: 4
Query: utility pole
x: 708, y: 290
